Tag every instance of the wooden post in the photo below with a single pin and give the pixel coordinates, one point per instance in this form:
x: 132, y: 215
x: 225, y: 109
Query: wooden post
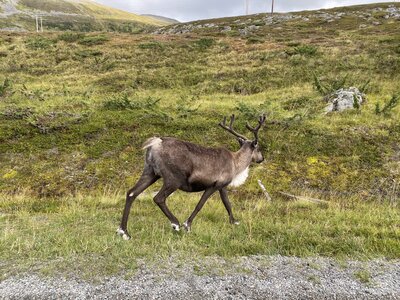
x: 41, y: 24
x: 37, y: 24
x: 272, y: 8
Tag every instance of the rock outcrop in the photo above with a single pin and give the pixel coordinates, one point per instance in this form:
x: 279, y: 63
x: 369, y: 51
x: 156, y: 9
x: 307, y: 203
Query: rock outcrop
x: 345, y: 99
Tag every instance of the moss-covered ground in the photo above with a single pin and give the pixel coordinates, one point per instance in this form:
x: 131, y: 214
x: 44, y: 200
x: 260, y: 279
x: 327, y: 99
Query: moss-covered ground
x: 75, y: 109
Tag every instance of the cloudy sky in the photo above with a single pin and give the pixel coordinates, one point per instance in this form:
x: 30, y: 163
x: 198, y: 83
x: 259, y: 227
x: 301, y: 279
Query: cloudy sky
x: 188, y: 10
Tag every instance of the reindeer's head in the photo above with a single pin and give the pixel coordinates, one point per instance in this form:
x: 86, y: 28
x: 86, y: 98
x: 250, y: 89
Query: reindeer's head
x: 252, y: 145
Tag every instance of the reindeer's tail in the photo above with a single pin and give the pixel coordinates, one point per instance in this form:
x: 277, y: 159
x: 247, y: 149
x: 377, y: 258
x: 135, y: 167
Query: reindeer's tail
x: 151, y: 142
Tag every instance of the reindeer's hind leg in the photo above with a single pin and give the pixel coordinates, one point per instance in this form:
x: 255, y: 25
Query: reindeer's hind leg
x: 160, y: 200
x: 148, y: 178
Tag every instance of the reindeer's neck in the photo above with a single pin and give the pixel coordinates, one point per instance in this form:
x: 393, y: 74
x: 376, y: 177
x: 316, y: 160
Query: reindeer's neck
x: 242, y: 159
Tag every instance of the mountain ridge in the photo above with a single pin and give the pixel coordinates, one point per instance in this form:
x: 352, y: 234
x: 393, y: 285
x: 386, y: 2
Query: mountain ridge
x: 79, y: 15
x: 170, y: 20
x: 257, y: 24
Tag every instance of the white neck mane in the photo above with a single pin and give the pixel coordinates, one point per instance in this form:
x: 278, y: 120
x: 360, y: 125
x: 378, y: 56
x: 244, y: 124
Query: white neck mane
x: 240, y: 178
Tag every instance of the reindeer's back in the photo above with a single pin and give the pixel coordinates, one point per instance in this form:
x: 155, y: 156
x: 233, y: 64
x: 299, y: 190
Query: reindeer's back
x: 176, y: 158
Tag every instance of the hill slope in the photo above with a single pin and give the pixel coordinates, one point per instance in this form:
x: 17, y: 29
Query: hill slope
x: 85, y: 103
x: 75, y: 109
x: 80, y: 15
x: 262, y: 24
x: 169, y: 20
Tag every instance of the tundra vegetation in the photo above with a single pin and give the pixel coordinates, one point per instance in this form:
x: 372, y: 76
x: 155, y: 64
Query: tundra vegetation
x: 75, y: 109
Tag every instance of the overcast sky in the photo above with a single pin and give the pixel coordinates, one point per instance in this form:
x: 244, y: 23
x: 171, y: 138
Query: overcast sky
x: 189, y: 10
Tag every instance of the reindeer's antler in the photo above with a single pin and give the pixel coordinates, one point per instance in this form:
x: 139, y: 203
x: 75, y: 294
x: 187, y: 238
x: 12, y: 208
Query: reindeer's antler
x: 230, y: 129
x: 255, y: 130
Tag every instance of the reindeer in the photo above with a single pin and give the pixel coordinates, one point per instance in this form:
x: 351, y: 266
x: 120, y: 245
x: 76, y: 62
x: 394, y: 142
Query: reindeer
x: 193, y: 168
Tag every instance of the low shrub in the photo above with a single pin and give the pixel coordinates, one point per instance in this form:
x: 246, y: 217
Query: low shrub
x: 255, y: 40
x: 388, y: 106
x: 39, y: 43
x: 123, y: 102
x: 151, y: 45
x: 305, y: 50
x: 88, y: 53
x: 204, y: 44
x: 4, y: 87
x: 93, y: 40
x: 70, y: 37
x: 328, y: 86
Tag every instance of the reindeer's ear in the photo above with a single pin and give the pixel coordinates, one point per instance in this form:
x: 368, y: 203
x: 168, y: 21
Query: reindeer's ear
x: 241, y: 141
x: 254, y: 144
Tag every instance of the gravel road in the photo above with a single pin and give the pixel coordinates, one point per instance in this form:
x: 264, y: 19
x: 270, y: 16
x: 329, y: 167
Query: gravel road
x: 256, y: 277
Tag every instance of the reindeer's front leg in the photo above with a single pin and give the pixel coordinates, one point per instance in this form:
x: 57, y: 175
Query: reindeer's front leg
x: 208, y: 192
x: 224, y: 197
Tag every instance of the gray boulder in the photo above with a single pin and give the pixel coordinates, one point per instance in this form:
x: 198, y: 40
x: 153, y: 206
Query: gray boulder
x: 249, y: 29
x: 344, y: 99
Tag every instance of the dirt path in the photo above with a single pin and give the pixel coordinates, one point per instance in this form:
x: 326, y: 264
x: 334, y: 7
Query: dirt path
x: 257, y: 277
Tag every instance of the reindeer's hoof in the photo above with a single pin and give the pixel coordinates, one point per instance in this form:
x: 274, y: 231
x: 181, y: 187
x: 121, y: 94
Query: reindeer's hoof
x: 235, y: 222
x: 186, y: 226
x: 123, y: 233
x: 175, y: 227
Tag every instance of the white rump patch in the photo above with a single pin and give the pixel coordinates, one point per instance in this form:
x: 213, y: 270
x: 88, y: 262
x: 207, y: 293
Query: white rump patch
x: 240, y: 178
x: 152, y: 142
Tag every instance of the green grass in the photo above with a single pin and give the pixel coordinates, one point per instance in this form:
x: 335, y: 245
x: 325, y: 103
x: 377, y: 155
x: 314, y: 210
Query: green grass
x: 94, y: 105
x: 73, y: 116
x: 364, y: 276
x: 76, y: 231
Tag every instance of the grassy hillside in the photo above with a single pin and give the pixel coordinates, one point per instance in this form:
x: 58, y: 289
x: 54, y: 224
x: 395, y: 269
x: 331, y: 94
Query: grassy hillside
x: 87, y: 102
x: 75, y: 109
x: 78, y: 15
